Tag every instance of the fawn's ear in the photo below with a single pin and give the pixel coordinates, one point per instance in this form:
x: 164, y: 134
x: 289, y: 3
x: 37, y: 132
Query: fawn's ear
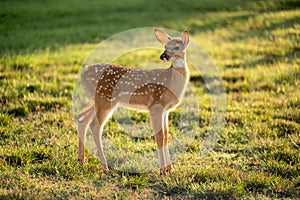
x: 185, y: 38
x: 162, y: 36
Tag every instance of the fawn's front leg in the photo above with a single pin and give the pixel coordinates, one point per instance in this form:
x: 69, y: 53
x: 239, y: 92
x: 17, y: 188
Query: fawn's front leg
x: 168, y: 166
x: 159, y: 123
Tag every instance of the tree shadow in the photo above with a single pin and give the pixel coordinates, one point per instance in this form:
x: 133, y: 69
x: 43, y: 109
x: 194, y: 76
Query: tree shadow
x: 216, y: 24
x: 274, y: 57
x: 262, y: 30
x: 53, y: 24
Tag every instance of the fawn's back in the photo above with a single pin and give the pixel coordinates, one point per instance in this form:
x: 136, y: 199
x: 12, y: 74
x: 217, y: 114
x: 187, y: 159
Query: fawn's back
x: 134, y: 88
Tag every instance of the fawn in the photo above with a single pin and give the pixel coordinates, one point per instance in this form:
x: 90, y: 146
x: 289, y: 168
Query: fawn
x: 157, y: 91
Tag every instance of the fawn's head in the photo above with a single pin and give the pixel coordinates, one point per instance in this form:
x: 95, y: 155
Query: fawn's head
x: 174, y: 48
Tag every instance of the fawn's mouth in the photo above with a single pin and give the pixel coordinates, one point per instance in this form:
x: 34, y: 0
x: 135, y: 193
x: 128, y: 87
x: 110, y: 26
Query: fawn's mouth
x: 164, y: 57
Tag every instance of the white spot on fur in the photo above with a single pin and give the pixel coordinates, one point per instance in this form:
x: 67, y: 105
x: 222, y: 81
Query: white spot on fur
x: 81, y: 118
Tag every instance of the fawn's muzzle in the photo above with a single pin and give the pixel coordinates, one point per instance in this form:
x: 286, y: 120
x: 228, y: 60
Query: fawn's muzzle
x: 164, y: 56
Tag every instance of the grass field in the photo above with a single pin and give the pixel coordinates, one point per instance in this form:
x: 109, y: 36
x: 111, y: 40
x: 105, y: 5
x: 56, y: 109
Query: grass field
x: 255, y: 46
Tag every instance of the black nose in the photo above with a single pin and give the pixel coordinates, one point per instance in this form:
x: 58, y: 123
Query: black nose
x: 164, y: 56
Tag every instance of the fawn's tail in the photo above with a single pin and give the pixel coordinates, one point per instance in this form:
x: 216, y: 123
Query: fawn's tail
x: 86, y: 113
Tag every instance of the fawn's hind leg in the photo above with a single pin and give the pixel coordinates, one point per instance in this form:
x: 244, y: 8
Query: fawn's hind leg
x: 84, y: 119
x: 97, y: 135
x: 103, y: 112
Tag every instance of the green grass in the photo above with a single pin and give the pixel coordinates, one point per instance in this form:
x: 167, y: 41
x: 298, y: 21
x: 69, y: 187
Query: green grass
x: 255, y: 45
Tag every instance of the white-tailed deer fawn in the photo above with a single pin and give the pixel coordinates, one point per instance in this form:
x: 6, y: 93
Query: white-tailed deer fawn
x: 157, y: 91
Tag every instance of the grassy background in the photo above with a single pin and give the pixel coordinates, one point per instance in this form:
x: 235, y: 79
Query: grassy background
x: 255, y: 45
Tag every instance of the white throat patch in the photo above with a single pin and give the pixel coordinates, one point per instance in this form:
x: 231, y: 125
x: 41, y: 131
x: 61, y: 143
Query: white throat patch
x: 180, y: 63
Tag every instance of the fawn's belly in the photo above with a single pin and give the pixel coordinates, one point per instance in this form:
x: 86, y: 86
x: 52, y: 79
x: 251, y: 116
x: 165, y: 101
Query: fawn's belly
x: 138, y: 102
x: 140, y: 107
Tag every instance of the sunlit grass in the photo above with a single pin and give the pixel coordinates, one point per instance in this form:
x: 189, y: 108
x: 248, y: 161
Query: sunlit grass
x: 255, y: 46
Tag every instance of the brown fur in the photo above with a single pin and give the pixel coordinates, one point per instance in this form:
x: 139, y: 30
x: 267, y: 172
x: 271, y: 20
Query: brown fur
x: 157, y: 91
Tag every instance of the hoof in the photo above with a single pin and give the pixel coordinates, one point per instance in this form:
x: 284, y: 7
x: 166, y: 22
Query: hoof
x: 166, y: 170
x: 104, y: 166
x: 81, y: 161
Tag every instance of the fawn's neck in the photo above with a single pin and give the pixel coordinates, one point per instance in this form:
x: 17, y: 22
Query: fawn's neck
x: 180, y: 65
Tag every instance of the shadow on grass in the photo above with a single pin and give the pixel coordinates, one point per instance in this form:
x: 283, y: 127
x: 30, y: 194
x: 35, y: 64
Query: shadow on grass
x: 52, y: 24
x: 220, y: 23
x: 272, y: 58
x: 183, y: 194
x: 159, y: 189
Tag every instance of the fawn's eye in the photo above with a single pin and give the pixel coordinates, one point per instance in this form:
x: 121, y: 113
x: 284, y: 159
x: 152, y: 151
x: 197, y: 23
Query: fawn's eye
x: 176, y: 48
